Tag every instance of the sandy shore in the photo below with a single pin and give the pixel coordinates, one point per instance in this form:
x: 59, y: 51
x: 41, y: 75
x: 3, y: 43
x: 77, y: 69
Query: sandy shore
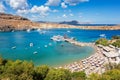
x: 92, y: 64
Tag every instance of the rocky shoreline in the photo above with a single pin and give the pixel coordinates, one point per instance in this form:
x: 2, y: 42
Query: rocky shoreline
x: 10, y: 22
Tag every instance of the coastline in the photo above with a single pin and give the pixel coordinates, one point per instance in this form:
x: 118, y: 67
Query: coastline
x: 82, y: 65
x: 96, y: 62
x: 12, y: 23
x: 18, y: 25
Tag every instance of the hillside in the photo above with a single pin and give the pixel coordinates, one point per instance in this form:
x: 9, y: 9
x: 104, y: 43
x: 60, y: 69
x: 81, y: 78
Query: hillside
x: 10, y: 22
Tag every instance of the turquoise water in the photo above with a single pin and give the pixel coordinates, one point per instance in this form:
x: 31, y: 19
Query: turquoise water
x: 52, y: 55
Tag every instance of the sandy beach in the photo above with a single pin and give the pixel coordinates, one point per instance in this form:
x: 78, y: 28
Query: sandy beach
x: 92, y: 64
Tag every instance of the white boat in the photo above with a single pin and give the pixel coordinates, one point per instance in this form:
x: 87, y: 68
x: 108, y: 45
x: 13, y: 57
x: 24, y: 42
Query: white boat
x: 45, y: 46
x: 35, y: 52
x: 58, y: 38
x: 14, y: 47
x: 103, y: 35
x: 28, y: 30
x: 31, y: 44
x: 68, y: 31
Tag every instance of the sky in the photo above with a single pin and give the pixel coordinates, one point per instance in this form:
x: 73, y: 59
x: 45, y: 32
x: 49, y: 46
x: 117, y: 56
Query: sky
x: 84, y: 11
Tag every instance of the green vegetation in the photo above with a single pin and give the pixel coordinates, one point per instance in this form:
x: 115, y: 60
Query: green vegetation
x: 102, y: 41
x: 58, y: 74
x: 116, y: 43
x: 116, y: 37
x: 113, y: 74
x: 79, y: 76
x: 22, y: 70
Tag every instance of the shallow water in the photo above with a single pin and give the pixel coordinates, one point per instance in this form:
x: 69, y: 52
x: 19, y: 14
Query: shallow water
x: 53, y: 54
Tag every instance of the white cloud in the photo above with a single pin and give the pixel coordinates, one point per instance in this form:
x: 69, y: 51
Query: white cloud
x: 17, y: 4
x: 25, y: 11
x: 55, y: 10
x: 53, y: 2
x: 41, y: 10
x: 2, y: 7
x: 71, y: 14
x: 64, y: 16
x: 63, y: 5
x: 74, y: 2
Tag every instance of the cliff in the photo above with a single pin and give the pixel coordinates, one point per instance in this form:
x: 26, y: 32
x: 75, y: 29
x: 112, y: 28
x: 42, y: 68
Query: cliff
x: 10, y: 22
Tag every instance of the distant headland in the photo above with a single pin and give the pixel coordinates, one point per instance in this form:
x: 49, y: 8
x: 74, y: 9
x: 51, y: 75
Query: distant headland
x: 9, y: 22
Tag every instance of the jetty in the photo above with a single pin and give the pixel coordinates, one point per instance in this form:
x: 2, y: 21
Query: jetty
x: 70, y: 40
x: 77, y: 43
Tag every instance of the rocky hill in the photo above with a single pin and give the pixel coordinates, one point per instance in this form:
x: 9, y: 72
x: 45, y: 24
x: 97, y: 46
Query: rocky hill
x: 10, y: 22
x: 9, y: 16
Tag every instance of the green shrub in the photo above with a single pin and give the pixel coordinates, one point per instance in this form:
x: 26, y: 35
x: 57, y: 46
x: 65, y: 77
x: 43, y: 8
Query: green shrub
x: 113, y: 74
x: 78, y: 75
x: 116, y: 37
x: 58, y: 74
x: 102, y: 41
x: 41, y: 72
x: 116, y: 43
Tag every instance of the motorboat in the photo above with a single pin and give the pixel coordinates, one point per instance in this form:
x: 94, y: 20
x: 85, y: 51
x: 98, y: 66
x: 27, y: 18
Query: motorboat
x: 14, y: 47
x: 103, y: 35
x: 31, y: 44
x: 35, y: 52
x: 28, y: 30
x: 57, y: 38
x: 68, y: 31
x: 45, y: 46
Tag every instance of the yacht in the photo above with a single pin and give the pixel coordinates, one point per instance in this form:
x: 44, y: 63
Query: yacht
x: 14, y: 47
x: 28, y: 30
x: 68, y: 31
x: 31, y: 44
x: 103, y: 35
x: 45, y: 46
x: 35, y: 52
x: 57, y: 38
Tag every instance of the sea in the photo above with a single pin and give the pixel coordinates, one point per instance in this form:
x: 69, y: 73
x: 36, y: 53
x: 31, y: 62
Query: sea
x: 37, y: 46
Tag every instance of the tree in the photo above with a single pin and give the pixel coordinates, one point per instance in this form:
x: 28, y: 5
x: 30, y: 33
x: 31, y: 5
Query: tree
x: 58, y: 74
x: 105, y: 77
x: 94, y: 76
x: 116, y: 37
x: 102, y: 41
x: 17, y: 70
x: 41, y: 72
x: 116, y: 43
x: 113, y: 74
x: 78, y: 75
x: 2, y: 61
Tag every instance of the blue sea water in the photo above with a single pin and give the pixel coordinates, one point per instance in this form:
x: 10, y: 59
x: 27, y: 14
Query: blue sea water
x: 54, y: 54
